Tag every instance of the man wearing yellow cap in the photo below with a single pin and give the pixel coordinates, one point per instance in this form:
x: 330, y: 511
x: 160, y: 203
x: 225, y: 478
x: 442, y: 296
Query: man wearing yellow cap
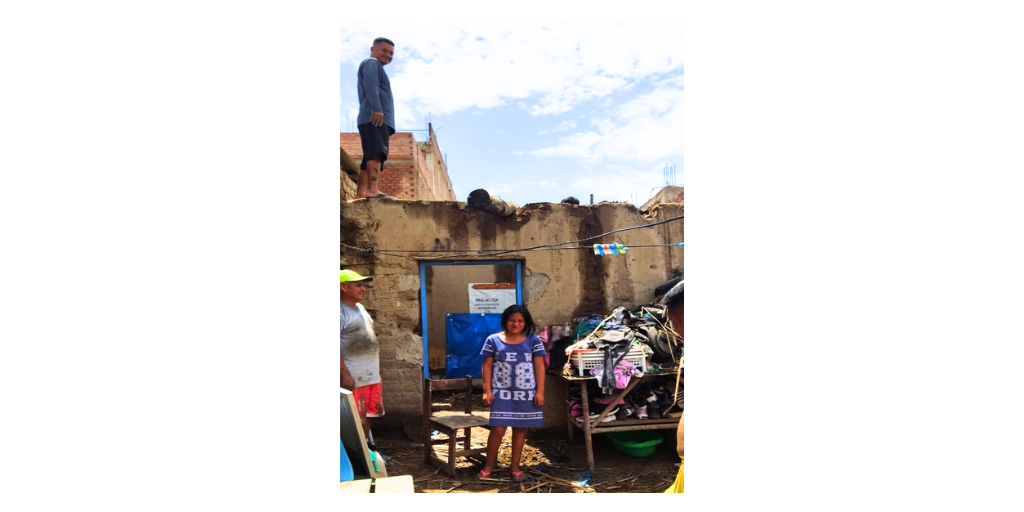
x: 360, y: 354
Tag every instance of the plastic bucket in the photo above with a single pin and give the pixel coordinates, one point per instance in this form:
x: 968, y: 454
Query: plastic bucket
x: 636, y: 444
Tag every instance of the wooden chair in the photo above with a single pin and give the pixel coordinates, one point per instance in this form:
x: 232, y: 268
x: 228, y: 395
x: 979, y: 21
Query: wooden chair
x: 450, y: 425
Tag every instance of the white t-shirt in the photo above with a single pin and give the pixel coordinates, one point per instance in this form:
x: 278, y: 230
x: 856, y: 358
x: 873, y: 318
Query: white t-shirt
x: 359, y: 346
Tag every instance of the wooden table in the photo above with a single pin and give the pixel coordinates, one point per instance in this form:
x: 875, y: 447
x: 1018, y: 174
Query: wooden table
x: 589, y: 428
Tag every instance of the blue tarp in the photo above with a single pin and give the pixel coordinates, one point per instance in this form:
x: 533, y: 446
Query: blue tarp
x: 466, y: 335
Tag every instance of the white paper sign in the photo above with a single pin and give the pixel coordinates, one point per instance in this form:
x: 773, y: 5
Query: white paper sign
x: 483, y: 300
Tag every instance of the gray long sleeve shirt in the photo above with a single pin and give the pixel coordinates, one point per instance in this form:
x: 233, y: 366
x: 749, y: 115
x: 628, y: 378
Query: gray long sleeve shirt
x: 374, y: 93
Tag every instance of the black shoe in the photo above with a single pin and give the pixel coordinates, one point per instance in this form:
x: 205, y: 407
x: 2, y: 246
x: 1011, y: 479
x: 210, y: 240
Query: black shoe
x: 653, y: 410
x: 664, y: 396
x: 665, y: 400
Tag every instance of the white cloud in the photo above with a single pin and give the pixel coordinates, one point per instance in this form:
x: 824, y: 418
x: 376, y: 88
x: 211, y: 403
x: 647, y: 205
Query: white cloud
x: 577, y: 145
x: 676, y: 81
x: 443, y: 67
x: 500, y: 188
x: 560, y: 127
x: 647, y: 128
x: 619, y: 184
x: 349, y: 113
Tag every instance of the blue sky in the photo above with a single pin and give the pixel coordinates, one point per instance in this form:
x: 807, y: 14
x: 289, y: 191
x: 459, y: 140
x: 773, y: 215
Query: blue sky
x: 535, y: 111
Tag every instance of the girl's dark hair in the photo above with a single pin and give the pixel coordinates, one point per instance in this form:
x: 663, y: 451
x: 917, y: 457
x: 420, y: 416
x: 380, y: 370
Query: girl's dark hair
x: 528, y: 327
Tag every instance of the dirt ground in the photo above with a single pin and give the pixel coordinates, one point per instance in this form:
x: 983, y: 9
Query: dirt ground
x: 554, y: 463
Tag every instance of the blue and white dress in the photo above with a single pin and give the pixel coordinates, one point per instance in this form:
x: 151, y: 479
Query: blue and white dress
x: 513, y: 383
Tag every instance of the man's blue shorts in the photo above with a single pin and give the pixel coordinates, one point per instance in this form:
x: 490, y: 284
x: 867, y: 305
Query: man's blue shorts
x: 375, y: 143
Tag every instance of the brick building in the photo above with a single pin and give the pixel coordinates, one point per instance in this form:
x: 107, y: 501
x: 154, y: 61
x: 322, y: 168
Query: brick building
x: 413, y: 171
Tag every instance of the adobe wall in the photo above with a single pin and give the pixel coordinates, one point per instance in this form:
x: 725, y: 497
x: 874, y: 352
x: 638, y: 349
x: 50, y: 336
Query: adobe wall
x: 669, y: 194
x: 558, y: 284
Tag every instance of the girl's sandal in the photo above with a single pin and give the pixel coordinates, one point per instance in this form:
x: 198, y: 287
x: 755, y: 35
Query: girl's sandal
x: 518, y: 476
x: 482, y: 474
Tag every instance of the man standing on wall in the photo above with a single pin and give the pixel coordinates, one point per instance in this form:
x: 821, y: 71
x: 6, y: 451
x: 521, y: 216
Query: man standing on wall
x: 376, y: 118
x: 360, y: 354
x: 673, y: 303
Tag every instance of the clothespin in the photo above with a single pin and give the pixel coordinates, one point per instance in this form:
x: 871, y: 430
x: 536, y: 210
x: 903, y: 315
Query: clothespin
x: 602, y: 249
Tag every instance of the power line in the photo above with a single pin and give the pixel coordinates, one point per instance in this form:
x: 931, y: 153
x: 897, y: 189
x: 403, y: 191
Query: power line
x: 405, y: 254
x: 499, y: 252
x: 390, y: 251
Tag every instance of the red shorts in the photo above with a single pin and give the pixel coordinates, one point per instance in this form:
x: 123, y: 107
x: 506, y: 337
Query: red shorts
x: 368, y: 400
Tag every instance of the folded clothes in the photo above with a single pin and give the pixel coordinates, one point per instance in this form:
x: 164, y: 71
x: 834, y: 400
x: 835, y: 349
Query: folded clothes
x: 623, y: 372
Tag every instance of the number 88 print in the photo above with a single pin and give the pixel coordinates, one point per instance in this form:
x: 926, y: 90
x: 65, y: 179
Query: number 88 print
x: 502, y: 375
x: 524, y: 376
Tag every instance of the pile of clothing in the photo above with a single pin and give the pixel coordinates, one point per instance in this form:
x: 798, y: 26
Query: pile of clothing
x: 643, y: 326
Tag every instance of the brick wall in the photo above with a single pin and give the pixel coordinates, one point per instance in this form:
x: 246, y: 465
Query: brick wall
x: 399, y: 179
x: 434, y: 171
x: 350, y: 143
x: 413, y: 170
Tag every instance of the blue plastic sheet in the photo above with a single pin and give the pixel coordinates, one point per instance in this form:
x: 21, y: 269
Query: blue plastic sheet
x: 466, y: 335
x: 346, y: 465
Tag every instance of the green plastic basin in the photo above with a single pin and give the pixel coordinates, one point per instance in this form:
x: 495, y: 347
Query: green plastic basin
x: 636, y: 444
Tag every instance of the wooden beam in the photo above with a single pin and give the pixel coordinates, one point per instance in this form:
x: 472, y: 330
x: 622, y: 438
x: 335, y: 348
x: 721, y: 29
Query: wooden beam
x: 348, y: 164
x: 632, y: 428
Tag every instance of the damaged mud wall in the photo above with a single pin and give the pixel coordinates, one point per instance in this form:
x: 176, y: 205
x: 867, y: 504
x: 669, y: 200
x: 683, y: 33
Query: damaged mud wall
x: 558, y: 285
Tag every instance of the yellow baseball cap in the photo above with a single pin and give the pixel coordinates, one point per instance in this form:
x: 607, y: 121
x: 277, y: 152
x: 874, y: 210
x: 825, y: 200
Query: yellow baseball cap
x: 348, y: 275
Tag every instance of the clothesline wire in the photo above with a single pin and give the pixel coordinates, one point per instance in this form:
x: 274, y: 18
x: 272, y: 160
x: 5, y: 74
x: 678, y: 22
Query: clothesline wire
x: 389, y: 251
x: 403, y: 254
x: 498, y: 252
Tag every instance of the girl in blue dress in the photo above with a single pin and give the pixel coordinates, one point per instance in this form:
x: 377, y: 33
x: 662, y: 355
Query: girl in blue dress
x: 513, y: 380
